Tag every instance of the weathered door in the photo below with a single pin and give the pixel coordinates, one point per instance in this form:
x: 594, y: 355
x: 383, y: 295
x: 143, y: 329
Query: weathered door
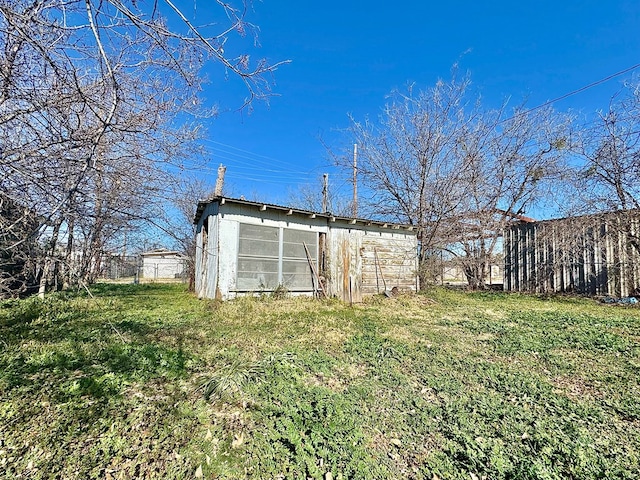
x: 347, y: 263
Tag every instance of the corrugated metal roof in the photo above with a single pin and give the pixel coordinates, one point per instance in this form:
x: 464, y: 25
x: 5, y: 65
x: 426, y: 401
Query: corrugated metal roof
x: 296, y: 211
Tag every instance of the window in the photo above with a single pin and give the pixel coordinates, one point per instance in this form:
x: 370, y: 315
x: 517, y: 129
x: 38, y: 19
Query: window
x: 296, y: 272
x: 272, y: 256
x: 258, y: 257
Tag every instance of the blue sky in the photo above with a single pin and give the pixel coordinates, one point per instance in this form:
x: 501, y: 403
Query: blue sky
x: 347, y: 56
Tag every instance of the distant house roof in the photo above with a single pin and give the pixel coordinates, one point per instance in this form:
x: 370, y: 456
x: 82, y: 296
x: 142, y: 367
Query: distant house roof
x: 159, y: 252
x: 261, y: 206
x: 587, y: 216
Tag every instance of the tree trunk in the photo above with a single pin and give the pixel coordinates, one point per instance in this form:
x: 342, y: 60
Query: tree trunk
x: 49, y: 259
x: 476, y: 274
x: 69, y: 261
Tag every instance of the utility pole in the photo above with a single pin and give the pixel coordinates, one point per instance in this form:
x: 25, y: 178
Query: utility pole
x: 355, y: 180
x: 220, y: 181
x: 325, y: 192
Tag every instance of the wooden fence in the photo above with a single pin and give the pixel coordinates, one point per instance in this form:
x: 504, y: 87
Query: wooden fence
x: 593, y: 254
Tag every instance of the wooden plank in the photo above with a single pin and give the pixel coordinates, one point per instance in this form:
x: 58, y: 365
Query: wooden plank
x: 318, y: 287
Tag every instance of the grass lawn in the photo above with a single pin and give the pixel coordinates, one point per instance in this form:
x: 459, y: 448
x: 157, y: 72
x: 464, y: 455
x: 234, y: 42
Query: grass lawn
x: 145, y: 381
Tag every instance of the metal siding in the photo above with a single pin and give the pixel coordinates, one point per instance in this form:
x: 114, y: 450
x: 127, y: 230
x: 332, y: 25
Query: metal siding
x: 591, y: 254
x: 199, y: 266
x: 348, y: 252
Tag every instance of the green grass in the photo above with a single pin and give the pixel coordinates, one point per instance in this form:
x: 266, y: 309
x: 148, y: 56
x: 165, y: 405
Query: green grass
x: 145, y: 381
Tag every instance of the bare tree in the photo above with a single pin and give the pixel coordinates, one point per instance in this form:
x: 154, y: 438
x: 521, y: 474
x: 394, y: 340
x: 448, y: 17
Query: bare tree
x: 408, y: 160
x: 312, y: 197
x: 513, y: 160
x: 92, y: 102
x: 437, y: 160
x: 17, y: 269
x: 606, y: 178
x: 178, y: 224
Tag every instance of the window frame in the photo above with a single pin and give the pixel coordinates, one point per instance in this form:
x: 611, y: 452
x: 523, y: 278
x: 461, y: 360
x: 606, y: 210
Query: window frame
x: 282, y: 274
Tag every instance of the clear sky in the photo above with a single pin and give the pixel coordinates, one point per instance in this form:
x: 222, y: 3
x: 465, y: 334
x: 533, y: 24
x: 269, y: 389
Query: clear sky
x: 347, y: 56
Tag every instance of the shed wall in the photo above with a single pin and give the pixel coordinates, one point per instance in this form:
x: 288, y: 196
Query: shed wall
x: 228, y: 225
x: 368, y: 261
x: 162, y: 266
x: 355, y: 260
x: 206, y: 270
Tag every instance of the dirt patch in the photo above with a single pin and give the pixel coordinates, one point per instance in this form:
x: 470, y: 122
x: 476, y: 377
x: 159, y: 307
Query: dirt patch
x: 575, y: 387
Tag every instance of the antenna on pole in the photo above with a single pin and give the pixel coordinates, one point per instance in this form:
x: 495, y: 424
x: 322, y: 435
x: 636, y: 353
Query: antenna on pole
x: 325, y: 191
x: 355, y: 180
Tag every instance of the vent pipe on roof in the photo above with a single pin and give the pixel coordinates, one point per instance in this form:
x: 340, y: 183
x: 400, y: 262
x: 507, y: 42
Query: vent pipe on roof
x: 220, y: 181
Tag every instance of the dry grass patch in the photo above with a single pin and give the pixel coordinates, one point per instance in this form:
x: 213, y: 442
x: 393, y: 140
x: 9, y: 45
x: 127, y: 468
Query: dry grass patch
x: 442, y: 385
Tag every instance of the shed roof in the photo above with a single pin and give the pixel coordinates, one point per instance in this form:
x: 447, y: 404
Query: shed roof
x: 261, y: 206
x: 160, y: 252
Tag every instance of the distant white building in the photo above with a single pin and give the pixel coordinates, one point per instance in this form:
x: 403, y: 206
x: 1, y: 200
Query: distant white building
x: 162, y: 264
x: 249, y: 247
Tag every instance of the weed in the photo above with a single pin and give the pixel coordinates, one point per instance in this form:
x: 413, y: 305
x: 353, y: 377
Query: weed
x: 280, y: 292
x: 439, y: 385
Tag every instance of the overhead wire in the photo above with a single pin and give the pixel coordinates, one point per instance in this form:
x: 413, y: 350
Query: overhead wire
x: 573, y: 92
x: 251, y: 166
x: 248, y: 170
x: 245, y: 165
x: 245, y: 160
x: 258, y: 158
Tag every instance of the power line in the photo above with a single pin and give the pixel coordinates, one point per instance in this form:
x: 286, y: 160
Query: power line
x: 253, y: 164
x: 573, y: 92
x: 243, y: 172
x: 249, y: 166
x: 265, y: 177
x: 269, y: 181
x: 221, y: 153
x: 240, y: 170
x: 252, y: 154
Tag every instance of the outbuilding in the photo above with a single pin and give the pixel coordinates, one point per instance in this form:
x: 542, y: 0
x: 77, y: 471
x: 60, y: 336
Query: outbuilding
x: 597, y: 254
x: 246, y: 247
x: 161, y: 264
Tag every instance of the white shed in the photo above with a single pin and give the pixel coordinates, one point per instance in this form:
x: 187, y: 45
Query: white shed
x: 162, y: 264
x: 250, y: 247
